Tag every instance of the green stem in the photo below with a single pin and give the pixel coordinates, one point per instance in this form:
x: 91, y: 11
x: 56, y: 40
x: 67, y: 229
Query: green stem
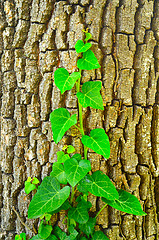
x: 72, y: 194
x: 80, y: 115
x: 101, y: 210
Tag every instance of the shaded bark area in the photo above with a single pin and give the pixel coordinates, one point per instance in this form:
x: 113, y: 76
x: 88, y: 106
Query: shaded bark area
x: 37, y: 37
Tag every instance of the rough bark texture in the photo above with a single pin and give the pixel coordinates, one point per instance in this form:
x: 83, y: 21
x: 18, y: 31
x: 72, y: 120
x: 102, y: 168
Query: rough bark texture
x: 37, y: 37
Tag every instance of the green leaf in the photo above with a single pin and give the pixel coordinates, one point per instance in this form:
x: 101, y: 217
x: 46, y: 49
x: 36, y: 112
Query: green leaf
x: 23, y: 236
x: 59, y: 173
x: 65, y: 206
x: 98, y: 142
x: 73, y: 233
x: 70, y: 149
x: 51, y: 237
x: 83, y: 238
x: 65, y: 81
x: 75, y: 170
x: 35, y: 181
x: 88, y: 61
x: 126, y: 203
x: 48, y: 216
x: 100, y: 185
x: 88, y: 228
x: 61, y: 122
x: 79, y: 213
x: 17, y: 237
x: 29, y: 187
x: 48, y: 198
x: 88, y: 36
x: 90, y: 95
x: 62, y: 157
x: 59, y: 233
x: 99, y: 235
x: 45, y: 231
x: 81, y: 47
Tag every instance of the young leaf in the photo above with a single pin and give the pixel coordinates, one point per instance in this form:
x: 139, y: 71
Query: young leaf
x: 59, y: 173
x: 45, y: 231
x: 88, y: 228
x: 88, y: 61
x: 81, y: 47
x: 126, y: 203
x: 98, y: 142
x: 61, y: 122
x: 29, y: 187
x: 73, y: 233
x: 62, y: 157
x: 65, y: 81
x: 90, y: 95
x: 88, y: 36
x: 48, y: 198
x: 23, y: 236
x: 70, y: 149
x: 100, y: 185
x: 99, y: 235
x: 75, y: 170
x: 35, y: 181
x: 79, y: 213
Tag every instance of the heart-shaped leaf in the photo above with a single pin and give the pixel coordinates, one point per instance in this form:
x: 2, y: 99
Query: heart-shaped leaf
x: 65, y: 81
x: 90, y: 95
x: 88, y: 228
x: 44, y: 231
x: 29, y: 187
x: 79, y: 213
x: 98, y: 142
x: 88, y: 36
x: 70, y: 149
x: 59, y: 173
x: 48, y: 198
x: 81, y: 47
x: 75, y: 170
x: 126, y: 203
x: 99, y: 235
x: 88, y: 62
x: 100, y: 185
x: 62, y: 157
x: 63, y: 236
x: 61, y: 122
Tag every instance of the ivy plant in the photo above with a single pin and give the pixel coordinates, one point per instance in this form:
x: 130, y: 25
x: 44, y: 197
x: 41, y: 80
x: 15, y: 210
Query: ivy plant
x: 71, y: 180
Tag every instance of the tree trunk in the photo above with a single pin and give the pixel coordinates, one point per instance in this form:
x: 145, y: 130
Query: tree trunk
x: 37, y: 37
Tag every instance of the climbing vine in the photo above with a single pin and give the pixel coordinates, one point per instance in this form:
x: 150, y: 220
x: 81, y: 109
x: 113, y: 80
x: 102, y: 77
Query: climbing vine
x: 71, y: 179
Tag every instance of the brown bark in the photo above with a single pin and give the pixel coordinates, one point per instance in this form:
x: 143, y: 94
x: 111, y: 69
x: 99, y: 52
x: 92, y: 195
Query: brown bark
x: 37, y: 37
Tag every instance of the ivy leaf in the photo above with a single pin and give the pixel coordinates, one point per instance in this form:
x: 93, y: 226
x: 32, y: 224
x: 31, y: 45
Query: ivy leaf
x: 70, y: 149
x: 44, y: 231
x: 51, y: 237
x: 65, y: 81
x: 79, y: 213
x: 59, y: 173
x: 61, y: 122
x: 35, y: 180
x: 65, y: 206
x: 48, y: 198
x: 88, y: 61
x: 127, y: 203
x: 100, y: 185
x: 62, y: 157
x: 60, y: 234
x: 81, y: 47
x: 75, y: 170
x: 90, y: 95
x: 73, y: 233
x: 99, y: 235
x: 98, y: 142
x: 88, y: 228
x: 88, y: 36
x: 23, y: 236
x: 29, y: 187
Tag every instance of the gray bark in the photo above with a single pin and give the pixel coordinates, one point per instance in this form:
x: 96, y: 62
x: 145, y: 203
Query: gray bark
x: 37, y: 37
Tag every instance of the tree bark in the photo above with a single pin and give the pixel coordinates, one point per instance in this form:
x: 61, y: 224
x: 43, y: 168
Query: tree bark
x: 37, y: 37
